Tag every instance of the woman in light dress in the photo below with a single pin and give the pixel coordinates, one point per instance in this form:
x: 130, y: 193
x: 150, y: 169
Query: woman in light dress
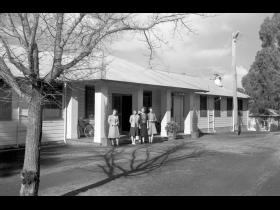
x: 114, y: 133
x: 151, y: 125
x: 134, y: 123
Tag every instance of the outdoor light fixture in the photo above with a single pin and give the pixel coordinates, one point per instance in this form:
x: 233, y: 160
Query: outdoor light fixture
x: 235, y: 35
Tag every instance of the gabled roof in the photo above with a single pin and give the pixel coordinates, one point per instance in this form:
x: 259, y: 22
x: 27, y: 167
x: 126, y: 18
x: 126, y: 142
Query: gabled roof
x: 121, y: 70
x: 117, y: 69
x: 213, y: 89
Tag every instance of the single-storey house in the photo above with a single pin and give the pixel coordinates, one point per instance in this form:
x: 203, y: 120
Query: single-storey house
x: 124, y: 86
x: 267, y: 121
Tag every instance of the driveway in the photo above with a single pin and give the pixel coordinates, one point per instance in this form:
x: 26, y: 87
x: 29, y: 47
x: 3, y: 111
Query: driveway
x: 222, y: 164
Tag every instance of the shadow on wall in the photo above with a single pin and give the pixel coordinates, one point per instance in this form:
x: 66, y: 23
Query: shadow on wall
x: 135, y: 167
x: 195, y: 124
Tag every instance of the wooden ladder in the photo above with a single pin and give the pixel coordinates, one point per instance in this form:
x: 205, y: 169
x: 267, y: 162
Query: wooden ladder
x: 211, y: 121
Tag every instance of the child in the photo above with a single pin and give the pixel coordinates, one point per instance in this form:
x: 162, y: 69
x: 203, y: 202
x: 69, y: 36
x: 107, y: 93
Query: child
x: 134, y: 123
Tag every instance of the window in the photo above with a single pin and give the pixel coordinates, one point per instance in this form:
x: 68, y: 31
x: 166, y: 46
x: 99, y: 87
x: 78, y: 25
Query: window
x: 52, y: 105
x: 240, y: 107
x: 116, y: 102
x: 5, y: 102
x: 203, y: 106
x: 172, y: 105
x: 229, y: 107
x: 217, y: 106
x: 147, y: 99
x: 90, y: 92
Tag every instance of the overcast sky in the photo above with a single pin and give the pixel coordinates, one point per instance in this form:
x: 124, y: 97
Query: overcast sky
x: 205, y: 52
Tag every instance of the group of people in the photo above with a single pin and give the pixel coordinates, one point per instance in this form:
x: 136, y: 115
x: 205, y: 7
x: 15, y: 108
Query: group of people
x: 142, y: 126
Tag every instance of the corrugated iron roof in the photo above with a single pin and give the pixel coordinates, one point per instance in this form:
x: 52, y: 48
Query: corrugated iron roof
x: 117, y: 69
x: 268, y: 113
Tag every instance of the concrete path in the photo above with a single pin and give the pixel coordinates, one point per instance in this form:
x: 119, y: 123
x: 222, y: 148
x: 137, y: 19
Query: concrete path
x: 221, y: 164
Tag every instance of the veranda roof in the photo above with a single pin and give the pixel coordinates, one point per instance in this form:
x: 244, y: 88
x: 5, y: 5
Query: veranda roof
x: 116, y: 69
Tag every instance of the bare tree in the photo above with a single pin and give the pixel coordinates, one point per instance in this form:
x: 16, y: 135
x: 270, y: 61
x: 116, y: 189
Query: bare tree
x: 69, y: 39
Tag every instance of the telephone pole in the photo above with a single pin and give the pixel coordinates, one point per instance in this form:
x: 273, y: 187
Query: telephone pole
x: 235, y: 104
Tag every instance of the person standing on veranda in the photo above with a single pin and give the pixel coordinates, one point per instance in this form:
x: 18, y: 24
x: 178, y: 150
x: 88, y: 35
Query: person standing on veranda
x: 138, y: 137
x: 151, y: 125
x: 114, y: 133
x: 143, y: 125
x: 134, y: 123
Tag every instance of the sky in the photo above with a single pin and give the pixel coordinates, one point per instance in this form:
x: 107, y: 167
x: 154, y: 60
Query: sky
x: 205, y: 52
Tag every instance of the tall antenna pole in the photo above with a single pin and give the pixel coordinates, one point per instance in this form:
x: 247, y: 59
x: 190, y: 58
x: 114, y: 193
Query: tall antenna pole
x: 235, y: 104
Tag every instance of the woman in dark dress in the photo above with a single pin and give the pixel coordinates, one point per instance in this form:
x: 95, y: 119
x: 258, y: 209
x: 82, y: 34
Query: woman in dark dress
x: 134, y: 123
x: 143, y: 125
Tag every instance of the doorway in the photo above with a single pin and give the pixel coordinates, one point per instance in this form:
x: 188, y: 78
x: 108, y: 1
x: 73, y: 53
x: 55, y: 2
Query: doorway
x: 123, y: 104
x: 178, y: 111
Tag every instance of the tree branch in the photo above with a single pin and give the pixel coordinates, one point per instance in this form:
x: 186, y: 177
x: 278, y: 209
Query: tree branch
x: 25, y: 26
x: 33, y: 49
x: 71, y: 29
x: 15, y: 31
x: 18, y: 65
x: 9, y: 78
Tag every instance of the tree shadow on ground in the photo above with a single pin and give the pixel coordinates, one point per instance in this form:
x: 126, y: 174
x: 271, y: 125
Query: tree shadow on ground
x: 134, y: 167
x: 11, y: 161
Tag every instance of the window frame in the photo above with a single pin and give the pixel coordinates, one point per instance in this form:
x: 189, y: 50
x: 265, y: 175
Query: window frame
x: 229, y: 109
x: 240, y: 108
x: 203, y: 110
x: 4, y: 87
x: 150, y: 99
x: 89, y: 88
x: 53, y: 105
x: 217, y: 112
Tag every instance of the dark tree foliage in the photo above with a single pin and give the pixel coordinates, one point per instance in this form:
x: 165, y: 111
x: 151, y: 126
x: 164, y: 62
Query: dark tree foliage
x: 262, y: 83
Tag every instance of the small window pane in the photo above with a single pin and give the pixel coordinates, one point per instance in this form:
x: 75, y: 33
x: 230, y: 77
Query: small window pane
x: 240, y: 107
x: 52, y: 104
x: 217, y: 105
x: 5, y: 102
x: 203, y: 106
x: 229, y: 107
x: 90, y: 91
x: 147, y: 99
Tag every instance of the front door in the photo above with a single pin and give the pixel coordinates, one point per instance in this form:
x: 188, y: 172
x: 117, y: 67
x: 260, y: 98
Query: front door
x: 126, y: 112
x: 123, y: 104
x: 178, y: 111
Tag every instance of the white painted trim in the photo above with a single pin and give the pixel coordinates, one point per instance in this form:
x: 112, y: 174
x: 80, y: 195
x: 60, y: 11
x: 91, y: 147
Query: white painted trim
x: 101, y: 110
x: 65, y: 112
x: 165, y: 110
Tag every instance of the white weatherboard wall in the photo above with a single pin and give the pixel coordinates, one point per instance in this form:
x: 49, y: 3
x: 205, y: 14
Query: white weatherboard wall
x: 13, y: 132
x: 188, y: 112
x: 224, y: 122
x: 137, y: 99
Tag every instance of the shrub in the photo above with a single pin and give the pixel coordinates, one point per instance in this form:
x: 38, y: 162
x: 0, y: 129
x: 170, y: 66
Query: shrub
x: 172, y: 127
x: 274, y: 127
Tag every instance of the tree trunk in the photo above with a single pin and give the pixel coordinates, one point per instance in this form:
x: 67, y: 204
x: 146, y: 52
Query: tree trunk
x: 30, y: 174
